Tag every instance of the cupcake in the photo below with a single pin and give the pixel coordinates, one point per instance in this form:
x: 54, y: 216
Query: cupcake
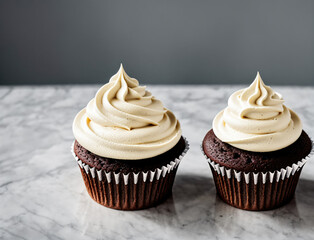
x: 256, y: 149
x: 128, y: 145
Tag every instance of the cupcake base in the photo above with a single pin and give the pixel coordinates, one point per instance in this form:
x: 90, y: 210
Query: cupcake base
x: 254, y: 180
x: 255, y: 197
x: 256, y: 191
x: 131, y: 190
x: 131, y: 196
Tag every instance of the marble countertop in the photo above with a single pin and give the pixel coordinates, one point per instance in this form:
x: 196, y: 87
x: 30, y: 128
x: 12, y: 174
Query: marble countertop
x: 43, y: 196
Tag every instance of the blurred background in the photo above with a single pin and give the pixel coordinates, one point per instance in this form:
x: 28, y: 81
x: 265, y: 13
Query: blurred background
x: 159, y: 42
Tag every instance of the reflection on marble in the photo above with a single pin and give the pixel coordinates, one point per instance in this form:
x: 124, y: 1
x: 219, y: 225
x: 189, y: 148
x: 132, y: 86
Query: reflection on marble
x: 43, y: 197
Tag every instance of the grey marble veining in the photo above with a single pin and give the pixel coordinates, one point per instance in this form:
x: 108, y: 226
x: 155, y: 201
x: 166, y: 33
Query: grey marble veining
x: 42, y: 194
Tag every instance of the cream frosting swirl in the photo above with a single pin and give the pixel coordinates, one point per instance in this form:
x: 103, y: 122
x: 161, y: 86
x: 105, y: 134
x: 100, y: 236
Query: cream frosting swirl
x: 124, y: 121
x: 257, y: 120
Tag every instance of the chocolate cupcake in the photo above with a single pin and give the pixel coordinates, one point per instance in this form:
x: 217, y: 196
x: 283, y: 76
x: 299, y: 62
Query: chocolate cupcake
x: 128, y: 145
x: 256, y: 149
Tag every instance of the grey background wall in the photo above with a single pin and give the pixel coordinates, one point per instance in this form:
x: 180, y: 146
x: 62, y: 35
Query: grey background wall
x: 161, y: 42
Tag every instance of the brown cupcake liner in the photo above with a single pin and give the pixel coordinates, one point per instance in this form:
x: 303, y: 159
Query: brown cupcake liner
x: 130, y: 191
x: 256, y: 191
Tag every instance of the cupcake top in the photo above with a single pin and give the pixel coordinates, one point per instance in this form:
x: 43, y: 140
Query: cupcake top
x: 124, y: 121
x: 257, y: 120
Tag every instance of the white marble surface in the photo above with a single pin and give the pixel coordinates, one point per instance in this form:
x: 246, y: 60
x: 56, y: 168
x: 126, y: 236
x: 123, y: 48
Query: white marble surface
x: 42, y: 194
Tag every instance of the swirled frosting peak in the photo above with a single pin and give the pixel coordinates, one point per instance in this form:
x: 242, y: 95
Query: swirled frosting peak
x: 257, y: 120
x: 124, y: 121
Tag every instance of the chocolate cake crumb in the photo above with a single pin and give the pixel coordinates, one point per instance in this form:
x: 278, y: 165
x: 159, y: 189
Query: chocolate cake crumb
x: 247, y: 161
x: 126, y: 166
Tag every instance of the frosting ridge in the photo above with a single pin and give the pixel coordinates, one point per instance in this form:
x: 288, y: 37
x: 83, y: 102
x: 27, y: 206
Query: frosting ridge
x: 125, y: 121
x: 257, y: 120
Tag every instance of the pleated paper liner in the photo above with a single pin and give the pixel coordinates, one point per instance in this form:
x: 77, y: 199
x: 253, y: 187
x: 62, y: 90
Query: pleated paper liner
x: 256, y: 191
x: 130, y: 191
